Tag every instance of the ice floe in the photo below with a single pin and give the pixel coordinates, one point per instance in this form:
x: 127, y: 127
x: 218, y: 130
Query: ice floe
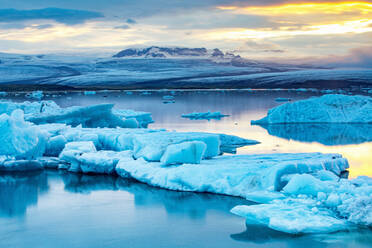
x: 236, y: 175
x: 291, y: 217
x: 317, y: 203
x: 206, y: 115
x: 101, y: 115
x: 36, y: 95
x: 325, y: 109
x: 89, y: 93
x: 190, y: 152
x: 21, y: 139
x: 282, y: 99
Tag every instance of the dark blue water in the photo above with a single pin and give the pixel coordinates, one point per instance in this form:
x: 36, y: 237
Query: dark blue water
x: 59, y: 209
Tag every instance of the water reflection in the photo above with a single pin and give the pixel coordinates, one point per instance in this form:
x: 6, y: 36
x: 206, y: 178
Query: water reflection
x: 323, y: 133
x: 18, y: 191
x: 193, y: 205
x: 262, y: 235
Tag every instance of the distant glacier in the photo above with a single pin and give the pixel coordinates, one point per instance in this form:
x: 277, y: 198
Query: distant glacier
x: 163, y: 67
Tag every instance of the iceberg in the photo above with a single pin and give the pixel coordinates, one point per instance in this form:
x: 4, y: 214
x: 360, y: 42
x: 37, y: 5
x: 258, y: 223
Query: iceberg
x: 291, y: 217
x: 36, y: 94
x: 168, y: 97
x: 101, y: 115
x: 72, y: 152
x: 21, y: 139
x: 204, y: 116
x: 89, y: 93
x: 82, y: 156
x: 7, y: 107
x: 10, y: 164
x: 237, y: 175
x: 315, y: 203
x: 229, y: 143
x: 102, y: 162
x: 331, y: 108
x: 152, y: 146
x: 143, y: 118
x: 90, y: 116
x: 282, y: 99
x: 190, y: 152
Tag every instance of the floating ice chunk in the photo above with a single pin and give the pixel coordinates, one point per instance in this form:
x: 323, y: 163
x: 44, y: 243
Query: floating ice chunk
x: 207, y: 115
x: 229, y: 143
x: 327, y: 176
x: 89, y: 93
x: 263, y: 196
x: 101, y: 115
x: 327, y: 91
x: 51, y: 162
x: 291, y: 217
x: 305, y: 184
x: 11, y: 164
x: 143, y: 118
x: 324, y: 109
x: 72, y: 152
x: 36, y: 95
x: 348, y: 201
x: 19, y: 138
x: 101, y: 162
x: 153, y: 145
x: 121, y: 165
x: 233, y: 175
x: 131, y: 123
x: 190, y: 152
x: 282, y: 99
x: 7, y: 107
x: 90, y: 116
x: 168, y: 97
x: 55, y: 145
x: 357, y: 210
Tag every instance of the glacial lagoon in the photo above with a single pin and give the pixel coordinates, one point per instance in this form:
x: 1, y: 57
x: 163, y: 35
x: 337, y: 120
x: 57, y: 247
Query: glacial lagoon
x: 60, y: 209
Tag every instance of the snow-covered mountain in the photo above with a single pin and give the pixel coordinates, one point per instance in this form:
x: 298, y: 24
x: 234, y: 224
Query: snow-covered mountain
x: 163, y: 67
x: 173, y: 52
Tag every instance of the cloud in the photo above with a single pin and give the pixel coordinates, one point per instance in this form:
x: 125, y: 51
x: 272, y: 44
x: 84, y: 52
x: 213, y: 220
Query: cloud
x: 43, y: 26
x: 357, y: 57
x: 125, y: 26
x: 211, y: 19
x: 65, y: 16
x: 131, y: 21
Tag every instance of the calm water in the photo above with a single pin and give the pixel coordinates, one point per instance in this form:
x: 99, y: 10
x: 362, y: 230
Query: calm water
x: 58, y: 209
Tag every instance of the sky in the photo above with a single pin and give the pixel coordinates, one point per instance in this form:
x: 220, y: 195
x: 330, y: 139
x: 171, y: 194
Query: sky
x: 338, y: 32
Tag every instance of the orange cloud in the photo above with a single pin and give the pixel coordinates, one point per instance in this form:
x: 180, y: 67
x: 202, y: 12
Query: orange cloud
x: 308, y: 13
x: 304, y: 8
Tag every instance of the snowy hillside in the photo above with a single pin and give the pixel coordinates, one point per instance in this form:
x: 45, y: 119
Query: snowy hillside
x: 162, y: 67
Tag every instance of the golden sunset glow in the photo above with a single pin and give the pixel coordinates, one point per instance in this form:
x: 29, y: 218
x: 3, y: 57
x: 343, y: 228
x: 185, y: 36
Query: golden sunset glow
x: 305, y: 8
x: 359, y: 26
